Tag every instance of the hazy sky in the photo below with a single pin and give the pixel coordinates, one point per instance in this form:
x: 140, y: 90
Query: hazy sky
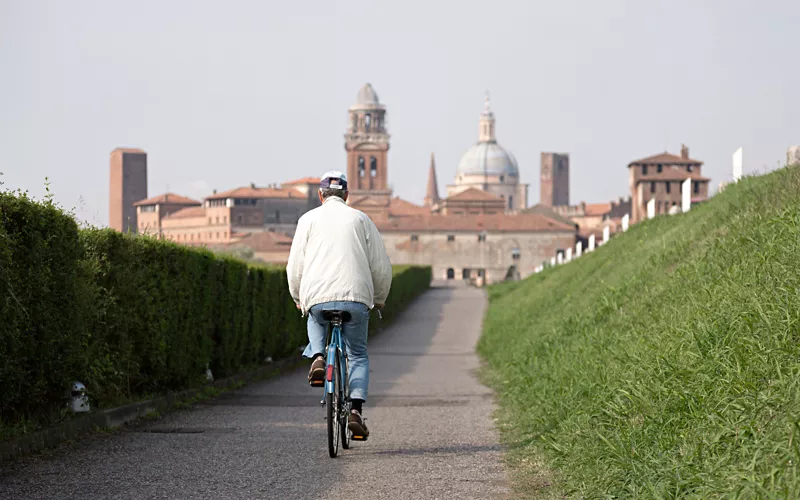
x: 224, y: 93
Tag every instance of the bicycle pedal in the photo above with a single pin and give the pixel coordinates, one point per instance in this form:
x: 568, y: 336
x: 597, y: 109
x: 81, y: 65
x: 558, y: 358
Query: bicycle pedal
x: 358, y: 438
x: 316, y: 383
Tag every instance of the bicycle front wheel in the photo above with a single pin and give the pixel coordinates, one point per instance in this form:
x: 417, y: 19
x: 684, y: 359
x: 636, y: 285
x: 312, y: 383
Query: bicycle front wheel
x: 333, y: 411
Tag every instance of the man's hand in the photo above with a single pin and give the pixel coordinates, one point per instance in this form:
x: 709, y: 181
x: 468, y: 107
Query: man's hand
x: 378, y: 306
x: 299, y: 308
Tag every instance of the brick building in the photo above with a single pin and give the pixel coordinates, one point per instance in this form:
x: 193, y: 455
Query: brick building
x: 554, y: 179
x: 128, y: 185
x: 659, y: 177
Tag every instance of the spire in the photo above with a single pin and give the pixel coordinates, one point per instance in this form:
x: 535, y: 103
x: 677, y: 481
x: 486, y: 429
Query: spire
x: 486, y: 133
x: 432, y: 194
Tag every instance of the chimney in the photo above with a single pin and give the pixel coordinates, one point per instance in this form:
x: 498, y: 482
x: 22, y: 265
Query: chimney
x: 252, y: 185
x: 214, y: 192
x: 684, y: 152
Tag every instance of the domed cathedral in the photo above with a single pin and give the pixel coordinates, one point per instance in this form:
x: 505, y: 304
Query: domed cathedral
x: 488, y: 167
x: 367, y: 146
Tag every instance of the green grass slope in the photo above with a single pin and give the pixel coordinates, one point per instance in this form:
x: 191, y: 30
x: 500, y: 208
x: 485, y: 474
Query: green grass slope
x: 664, y: 365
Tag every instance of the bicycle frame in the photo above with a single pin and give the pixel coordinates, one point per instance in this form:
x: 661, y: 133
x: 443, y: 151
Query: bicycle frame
x: 336, y: 348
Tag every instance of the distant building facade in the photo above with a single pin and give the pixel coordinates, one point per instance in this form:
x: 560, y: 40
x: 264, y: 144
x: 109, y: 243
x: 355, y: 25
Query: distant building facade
x: 128, y: 185
x: 659, y: 177
x: 554, y: 179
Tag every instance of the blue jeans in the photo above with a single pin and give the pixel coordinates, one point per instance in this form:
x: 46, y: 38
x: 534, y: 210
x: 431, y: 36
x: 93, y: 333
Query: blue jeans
x: 354, y: 334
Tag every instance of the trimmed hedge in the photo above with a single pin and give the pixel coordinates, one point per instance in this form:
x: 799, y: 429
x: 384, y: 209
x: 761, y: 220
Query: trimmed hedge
x: 133, y: 316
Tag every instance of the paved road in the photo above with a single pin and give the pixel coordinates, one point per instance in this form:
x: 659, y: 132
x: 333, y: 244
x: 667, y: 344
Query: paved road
x: 432, y: 434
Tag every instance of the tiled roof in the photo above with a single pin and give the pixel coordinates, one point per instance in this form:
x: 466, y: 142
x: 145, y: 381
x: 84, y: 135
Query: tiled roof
x: 400, y: 207
x: 673, y: 176
x: 473, y: 194
x: 167, y: 198
x: 187, y: 212
x: 548, y: 213
x: 304, y: 180
x: 595, y: 209
x: 264, y: 241
x: 473, y: 223
x: 666, y: 158
x: 256, y: 192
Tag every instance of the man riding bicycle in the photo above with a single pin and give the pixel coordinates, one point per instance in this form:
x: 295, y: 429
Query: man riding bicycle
x: 338, y: 263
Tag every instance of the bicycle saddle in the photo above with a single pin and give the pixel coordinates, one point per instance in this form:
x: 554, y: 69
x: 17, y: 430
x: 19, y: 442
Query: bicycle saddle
x: 331, y: 315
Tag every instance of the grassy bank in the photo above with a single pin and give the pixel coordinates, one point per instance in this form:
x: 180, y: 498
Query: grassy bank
x: 665, y: 364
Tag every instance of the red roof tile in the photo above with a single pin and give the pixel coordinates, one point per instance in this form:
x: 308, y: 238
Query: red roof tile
x: 594, y: 209
x: 187, y: 212
x: 167, y: 198
x: 472, y: 223
x: 666, y: 158
x: 473, y: 194
x: 304, y: 180
x: 256, y: 192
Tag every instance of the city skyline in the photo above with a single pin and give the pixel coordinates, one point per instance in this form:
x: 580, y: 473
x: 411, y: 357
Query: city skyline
x: 220, y: 98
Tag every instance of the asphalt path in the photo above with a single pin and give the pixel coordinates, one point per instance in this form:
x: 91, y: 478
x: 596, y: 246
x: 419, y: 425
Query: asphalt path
x: 432, y: 432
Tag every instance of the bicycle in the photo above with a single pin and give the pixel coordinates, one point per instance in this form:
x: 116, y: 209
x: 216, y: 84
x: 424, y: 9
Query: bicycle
x: 336, y: 393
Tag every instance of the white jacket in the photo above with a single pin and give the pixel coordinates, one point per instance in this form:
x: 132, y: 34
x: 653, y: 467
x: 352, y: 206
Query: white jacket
x: 338, y: 255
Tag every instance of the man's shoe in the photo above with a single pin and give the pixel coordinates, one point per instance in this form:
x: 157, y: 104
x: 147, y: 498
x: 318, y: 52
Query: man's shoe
x: 357, y: 426
x: 316, y: 375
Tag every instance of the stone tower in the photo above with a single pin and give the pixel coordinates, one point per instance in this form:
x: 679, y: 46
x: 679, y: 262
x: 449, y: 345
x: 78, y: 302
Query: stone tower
x: 554, y: 181
x: 432, y: 192
x: 128, y: 184
x: 367, y: 145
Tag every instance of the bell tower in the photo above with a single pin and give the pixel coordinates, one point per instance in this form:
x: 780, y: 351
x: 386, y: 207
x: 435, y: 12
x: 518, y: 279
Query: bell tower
x: 367, y: 145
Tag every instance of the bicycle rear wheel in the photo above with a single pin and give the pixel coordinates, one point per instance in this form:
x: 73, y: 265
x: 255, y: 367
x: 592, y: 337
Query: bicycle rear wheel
x: 333, y: 411
x: 344, y: 402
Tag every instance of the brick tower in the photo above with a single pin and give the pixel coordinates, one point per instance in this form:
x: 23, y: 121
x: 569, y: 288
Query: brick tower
x: 128, y: 175
x: 367, y: 145
x: 554, y: 181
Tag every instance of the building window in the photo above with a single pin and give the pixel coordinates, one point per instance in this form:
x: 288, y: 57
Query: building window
x: 652, y: 187
x: 465, y: 274
x: 414, y: 237
x: 502, y: 179
x: 240, y: 219
x: 668, y: 187
x: 451, y: 274
x: 361, y: 167
x: 515, y: 254
x: 147, y: 208
x: 482, y: 237
x: 217, y: 219
x: 644, y: 169
x: 510, y: 202
x: 373, y: 166
x: 659, y: 168
x: 367, y: 121
x: 451, y: 238
x: 224, y: 219
x: 689, y: 168
x: 696, y: 188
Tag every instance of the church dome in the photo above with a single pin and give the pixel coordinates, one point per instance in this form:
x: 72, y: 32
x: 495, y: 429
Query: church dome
x: 487, y: 158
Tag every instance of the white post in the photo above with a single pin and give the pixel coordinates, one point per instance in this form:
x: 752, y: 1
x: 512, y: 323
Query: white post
x: 552, y: 261
x: 686, y: 195
x: 591, y: 242
x: 559, y: 258
x: 626, y: 221
x: 606, y: 234
x: 578, y: 249
x: 651, y: 208
x: 738, y: 162
x: 569, y: 254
